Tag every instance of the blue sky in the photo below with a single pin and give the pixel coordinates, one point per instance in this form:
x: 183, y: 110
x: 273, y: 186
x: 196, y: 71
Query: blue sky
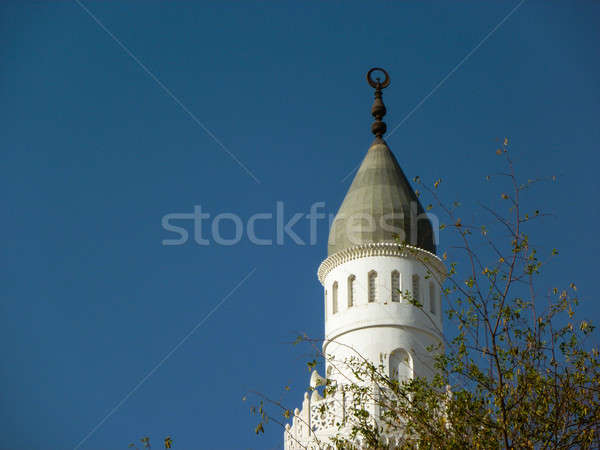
x: 95, y: 152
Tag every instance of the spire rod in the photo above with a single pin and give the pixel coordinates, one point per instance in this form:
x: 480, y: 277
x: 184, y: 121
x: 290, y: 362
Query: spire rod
x: 378, y: 109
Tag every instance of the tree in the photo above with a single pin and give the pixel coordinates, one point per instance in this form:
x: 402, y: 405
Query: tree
x: 521, y: 370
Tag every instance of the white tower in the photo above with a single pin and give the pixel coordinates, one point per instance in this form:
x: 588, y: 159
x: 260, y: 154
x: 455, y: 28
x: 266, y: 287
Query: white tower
x: 381, y: 253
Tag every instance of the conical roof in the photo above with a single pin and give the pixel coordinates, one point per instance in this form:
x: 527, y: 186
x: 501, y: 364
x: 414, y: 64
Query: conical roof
x: 380, y: 206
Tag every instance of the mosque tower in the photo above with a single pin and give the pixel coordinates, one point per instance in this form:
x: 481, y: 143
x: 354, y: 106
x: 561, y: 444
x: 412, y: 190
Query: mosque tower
x: 381, y: 253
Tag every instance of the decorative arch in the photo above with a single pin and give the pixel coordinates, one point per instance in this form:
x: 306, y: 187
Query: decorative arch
x: 334, y: 295
x: 401, y: 365
x: 372, y: 286
x: 416, y: 288
x: 395, y: 286
x: 351, y: 282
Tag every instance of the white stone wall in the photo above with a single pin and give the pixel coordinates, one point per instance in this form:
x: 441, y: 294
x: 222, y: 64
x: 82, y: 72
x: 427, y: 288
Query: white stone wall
x: 375, y: 330
x: 380, y: 331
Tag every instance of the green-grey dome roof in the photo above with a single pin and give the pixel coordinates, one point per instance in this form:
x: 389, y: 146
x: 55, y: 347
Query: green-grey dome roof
x: 380, y: 206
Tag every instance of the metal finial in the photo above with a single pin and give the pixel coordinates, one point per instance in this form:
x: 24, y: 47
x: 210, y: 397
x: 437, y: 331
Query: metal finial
x: 378, y: 109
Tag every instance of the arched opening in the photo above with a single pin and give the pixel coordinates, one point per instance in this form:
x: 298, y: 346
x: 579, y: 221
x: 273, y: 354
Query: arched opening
x: 334, y: 294
x: 372, y: 286
x: 401, y: 365
x: 395, y: 286
x: 432, y: 298
x: 416, y: 288
x: 351, y: 280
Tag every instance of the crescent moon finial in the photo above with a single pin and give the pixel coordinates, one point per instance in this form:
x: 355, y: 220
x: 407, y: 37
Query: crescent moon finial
x: 376, y: 83
x: 378, y: 110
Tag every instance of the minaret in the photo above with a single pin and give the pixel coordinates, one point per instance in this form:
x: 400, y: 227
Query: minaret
x: 381, y: 255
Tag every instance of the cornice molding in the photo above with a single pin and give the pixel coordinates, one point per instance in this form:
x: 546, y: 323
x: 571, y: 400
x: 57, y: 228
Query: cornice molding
x: 380, y: 249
